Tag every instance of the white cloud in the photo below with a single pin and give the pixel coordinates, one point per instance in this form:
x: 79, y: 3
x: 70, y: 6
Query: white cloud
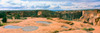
x: 82, y: 5
x: 65, y: 5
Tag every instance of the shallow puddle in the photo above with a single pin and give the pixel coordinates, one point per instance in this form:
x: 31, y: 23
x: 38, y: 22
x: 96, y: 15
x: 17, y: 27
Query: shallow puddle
x: 44, y: 22
x: 12, y: 27
x: 64, y: 27
x: 30, y: 28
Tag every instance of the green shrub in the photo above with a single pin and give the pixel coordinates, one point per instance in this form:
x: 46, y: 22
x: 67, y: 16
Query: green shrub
x: 91, y: 29
x: 84, y: 28
x: 4, y: 20
x: 24, y: 18
x: 88, y: 29
x: 2, y: 24
x: 17, y: 16
x: 91, y: 23
x: 9, y: 17
x: 55, y: 31
x: 49, y: 18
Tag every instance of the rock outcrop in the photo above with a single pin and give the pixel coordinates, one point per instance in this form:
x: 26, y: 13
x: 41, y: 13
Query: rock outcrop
x: 90, y: 17
x: 39, y: 12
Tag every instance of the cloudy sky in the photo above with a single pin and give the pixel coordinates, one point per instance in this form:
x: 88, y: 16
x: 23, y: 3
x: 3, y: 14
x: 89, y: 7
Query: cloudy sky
x: 49, y: 4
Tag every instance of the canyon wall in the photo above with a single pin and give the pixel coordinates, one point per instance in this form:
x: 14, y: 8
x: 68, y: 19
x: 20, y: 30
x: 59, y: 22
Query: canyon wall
x: 91, y: 16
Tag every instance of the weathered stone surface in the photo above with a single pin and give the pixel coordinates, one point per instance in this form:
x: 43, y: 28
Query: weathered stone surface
x: 90, y: 16
x: 74, y: 31
x: 30, y: 28
x: 39, y: 13
x: 12, y: 27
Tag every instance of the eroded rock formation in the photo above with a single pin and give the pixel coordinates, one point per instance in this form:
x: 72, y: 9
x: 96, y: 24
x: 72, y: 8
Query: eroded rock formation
x: 91, y: 17
x: 39, y: 12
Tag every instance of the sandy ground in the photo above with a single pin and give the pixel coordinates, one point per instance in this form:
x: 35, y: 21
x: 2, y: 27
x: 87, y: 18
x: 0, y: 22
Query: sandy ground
x: 49, y: 28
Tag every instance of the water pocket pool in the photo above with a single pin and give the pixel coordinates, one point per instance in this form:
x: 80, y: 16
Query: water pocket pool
x: 44, y: 22
x: 64, y: 27
x: 30, y: 28
x: 12, y: 27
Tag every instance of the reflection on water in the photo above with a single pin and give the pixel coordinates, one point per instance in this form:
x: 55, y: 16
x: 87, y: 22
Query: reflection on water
x: 44, y: 22
x: 64, y: 27
x: 30, y: 28
x: 12, y: 27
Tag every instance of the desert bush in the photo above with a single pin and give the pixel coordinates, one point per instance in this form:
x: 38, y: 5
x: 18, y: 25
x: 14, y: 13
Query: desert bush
x: 25, y: 18
x: 85, y: 22
x: 70, y: 23
x: 70, y: 29
x: 91, y: 29
x: 55, y: 31
x: 91, y: 23
x: 88, y: 29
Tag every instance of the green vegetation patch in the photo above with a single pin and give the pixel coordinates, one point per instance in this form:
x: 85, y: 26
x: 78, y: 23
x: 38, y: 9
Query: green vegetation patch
x: 49, y: 18
x: 4, y: 20
x: 88, y: 29
x: 56, y: 31
x: 14, y: 22
x: 71, y: 29
x: 2, y: 24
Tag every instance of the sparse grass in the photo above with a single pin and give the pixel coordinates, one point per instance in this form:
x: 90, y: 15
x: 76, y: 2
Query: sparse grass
x: 71, y: 29
x: 84, y: 29
x: 9, y: 23
x: 70, y: 20
x: 14, y: 22
x: 49, y: 18
x: 85, y: 22
x: 23, y: 18
x: 56, y: 31
x: 2, y: 24
x: 91, y: 23
x: 88, y: 29
x: 70, y: 23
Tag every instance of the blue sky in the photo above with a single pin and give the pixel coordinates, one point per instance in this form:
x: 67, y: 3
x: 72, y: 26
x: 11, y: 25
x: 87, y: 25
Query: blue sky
x: 49, y: 4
